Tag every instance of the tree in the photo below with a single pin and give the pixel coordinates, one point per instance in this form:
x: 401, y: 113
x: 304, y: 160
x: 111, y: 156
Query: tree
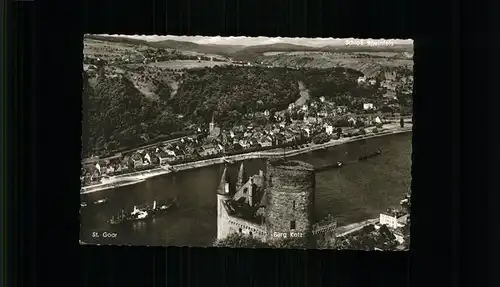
x: 387, y: 238
x: 163, y: 91
x: 385, y: 232
x: 289, y: 243
x: 359, y: 124
x: 239, y: 240
x: 368, y: 228
x: 328, y: 242
x: 288, y: 119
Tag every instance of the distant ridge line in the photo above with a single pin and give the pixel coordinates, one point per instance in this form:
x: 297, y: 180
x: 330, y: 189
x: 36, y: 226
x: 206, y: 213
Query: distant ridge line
x: 240, y: 50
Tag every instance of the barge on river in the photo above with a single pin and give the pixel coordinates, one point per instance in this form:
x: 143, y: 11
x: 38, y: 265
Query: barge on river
x: 141, y: 214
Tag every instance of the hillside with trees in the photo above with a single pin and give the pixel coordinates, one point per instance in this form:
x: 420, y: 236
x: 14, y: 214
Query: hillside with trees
x: 140, y: 104
x: 234, y: 90
x: 118, y: 115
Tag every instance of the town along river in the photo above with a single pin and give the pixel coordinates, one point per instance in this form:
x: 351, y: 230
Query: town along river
x: 353, y: 193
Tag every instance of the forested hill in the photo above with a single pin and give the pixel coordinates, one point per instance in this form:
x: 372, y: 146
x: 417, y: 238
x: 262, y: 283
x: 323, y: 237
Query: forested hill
x: 117, y: 115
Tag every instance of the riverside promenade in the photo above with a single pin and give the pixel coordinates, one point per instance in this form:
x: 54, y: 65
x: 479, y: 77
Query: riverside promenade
x: 140, y: 176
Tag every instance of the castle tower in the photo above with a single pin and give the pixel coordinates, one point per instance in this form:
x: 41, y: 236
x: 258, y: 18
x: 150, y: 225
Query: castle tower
x: 290, y: 190
x: 242, y: 177
x: 224, y: 184
x: 223, y: 193
x: 211, y: 126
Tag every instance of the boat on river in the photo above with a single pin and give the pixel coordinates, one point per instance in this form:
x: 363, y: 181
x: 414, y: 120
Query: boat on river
x: 101, y: 201
x: 141, y: 214
x: 338, y: 164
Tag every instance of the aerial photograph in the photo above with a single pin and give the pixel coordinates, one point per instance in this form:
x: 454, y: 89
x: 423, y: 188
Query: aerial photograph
x: 246, y: 142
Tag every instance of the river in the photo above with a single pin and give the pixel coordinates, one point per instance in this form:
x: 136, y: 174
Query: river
x: 353, y: 193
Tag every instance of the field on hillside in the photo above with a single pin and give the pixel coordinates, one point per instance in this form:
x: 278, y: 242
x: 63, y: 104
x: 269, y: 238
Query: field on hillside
x: 106, y: 50
x: 367, y: 65
x: 296, y: 53
x: 187, y: 64
x: 379, y: 54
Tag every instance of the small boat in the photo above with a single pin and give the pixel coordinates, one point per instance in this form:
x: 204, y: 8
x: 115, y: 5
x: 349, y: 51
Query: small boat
x: 339, y: 164
x: 83, y: 204
x: 101, y: 201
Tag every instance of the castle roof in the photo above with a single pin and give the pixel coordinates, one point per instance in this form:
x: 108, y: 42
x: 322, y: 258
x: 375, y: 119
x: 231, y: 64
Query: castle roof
x: 242, y: 176
x: 221, y: 189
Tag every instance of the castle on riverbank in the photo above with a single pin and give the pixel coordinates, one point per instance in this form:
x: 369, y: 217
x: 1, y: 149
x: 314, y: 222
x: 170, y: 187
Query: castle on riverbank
x: 273, y: 206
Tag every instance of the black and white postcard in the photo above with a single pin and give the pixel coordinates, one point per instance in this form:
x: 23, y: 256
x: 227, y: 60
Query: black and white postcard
x: 247, y: 142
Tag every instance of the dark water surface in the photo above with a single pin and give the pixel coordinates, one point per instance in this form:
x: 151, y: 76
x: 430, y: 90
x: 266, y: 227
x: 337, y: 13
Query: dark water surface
x: 353, y: 193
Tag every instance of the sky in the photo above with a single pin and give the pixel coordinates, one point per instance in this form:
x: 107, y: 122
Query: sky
x: 250, y: 41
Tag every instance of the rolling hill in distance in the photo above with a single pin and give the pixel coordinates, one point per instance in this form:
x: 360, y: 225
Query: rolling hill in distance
x: 244, y: 52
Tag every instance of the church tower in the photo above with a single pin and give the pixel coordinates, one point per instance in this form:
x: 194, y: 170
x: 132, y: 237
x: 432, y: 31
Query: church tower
x: 211, y: 126
x: 242, y: 177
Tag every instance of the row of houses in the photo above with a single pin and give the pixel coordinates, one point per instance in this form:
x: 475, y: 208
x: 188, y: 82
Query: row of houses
x: 216, y: 142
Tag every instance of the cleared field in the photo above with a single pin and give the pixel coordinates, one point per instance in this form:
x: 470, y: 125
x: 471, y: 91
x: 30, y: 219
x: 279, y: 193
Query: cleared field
x: 295, y: 53
x: 380, y: 54
x: 99, y: 47
x: 187, y: 64
x: 325, y: 60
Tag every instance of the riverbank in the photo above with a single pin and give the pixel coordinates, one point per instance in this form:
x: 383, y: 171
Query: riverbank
x: 140, y: 176
x: 350, y: 228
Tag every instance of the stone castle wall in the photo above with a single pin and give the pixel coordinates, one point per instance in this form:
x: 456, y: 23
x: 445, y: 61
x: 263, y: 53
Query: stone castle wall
x: 290, y: 199
x: 238, y: 225
x: 227, y: 224
x: 223, y: 229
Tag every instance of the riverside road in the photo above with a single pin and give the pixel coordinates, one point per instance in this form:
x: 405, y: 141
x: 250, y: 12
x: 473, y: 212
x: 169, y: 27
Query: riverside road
x: 351, y: 194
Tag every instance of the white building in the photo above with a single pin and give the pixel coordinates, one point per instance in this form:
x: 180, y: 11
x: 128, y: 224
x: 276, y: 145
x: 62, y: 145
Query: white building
x: 352, y: 120
x: 392, y: 221
x: 368, y: 106
x: 323, y: 114
x: 361, y: 80
x: 308, y: 132
x: 329, y: 130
